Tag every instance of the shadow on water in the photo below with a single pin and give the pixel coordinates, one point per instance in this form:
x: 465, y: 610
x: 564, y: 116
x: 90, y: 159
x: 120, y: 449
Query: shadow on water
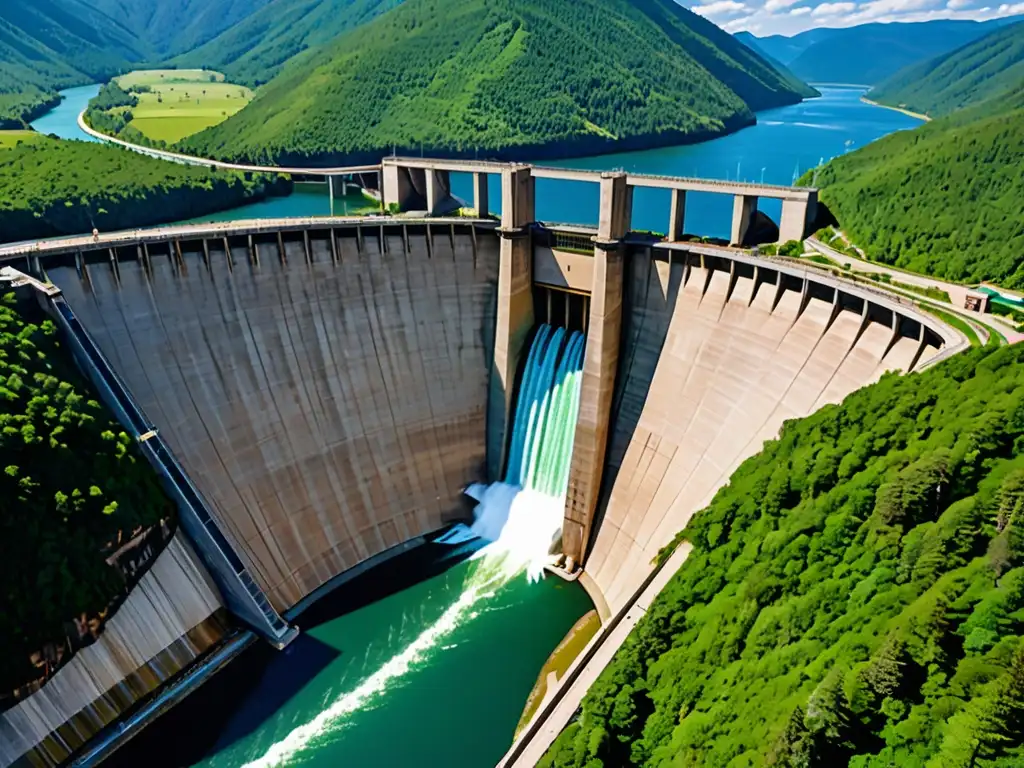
x: 224, y: 710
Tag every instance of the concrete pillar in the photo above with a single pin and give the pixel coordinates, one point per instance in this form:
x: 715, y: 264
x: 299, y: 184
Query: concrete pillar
x: 600, y: 362
x: 438, y: 191
x: 395, y: 185
x: 480, y: 200
x: 798, y: 218
x: 613, y: 221
x: 514, y: 311
x: 330, y: 191
x: 677, y: 215
x: 744, y: 209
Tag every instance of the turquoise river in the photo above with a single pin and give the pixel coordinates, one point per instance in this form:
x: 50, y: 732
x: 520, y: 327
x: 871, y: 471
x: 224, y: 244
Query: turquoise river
x: 372, y: 680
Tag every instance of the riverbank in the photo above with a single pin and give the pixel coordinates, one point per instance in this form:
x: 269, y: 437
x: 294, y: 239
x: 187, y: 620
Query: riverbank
x: 901, y: 110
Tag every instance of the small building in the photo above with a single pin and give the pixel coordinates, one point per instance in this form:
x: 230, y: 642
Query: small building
x: 976, y: 301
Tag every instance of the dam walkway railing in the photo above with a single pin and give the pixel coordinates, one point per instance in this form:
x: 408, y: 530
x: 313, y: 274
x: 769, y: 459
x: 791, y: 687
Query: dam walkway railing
x: 242, y: 594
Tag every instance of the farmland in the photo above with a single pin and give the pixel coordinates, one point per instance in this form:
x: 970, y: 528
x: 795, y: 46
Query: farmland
x: 182, y: 102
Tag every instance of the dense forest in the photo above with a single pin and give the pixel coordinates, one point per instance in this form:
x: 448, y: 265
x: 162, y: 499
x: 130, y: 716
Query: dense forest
x: 169, y: 27
x: 60, y: 43
x: 73, y: 488
x: 52, y: 187
x: 502, y: 78
x: 20, y: 108
x: 987, y: 68
x: 868, y: 53
x: 254, y: 50
x: 855, y: 596
x: 946, y: 199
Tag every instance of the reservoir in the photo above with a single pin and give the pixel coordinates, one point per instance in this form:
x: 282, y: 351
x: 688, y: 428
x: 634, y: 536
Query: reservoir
x: 417, y: 662
x: 785, y: 143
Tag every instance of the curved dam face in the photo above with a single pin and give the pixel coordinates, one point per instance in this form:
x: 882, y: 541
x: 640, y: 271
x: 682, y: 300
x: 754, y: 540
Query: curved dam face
x: 716, y: 353
x: 325, y: 390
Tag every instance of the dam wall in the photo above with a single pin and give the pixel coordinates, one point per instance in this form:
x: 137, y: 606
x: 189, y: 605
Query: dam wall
x: 171, y: 618
x: 324, y: 389
x: 717, y: 351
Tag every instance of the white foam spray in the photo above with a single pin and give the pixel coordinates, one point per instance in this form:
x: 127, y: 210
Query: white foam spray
x: 520, y: 519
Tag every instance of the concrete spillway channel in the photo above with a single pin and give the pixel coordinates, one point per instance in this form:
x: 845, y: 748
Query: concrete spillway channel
x: 317, y: 393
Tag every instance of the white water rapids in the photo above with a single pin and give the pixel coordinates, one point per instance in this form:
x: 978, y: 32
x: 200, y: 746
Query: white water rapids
x: 520, y: 518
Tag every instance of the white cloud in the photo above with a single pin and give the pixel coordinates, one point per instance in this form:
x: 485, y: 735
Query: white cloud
x: 788, y: 17
x: 745, y: 24
x: 885, y: 10
x: 833, y: 9
x: 720, y: 8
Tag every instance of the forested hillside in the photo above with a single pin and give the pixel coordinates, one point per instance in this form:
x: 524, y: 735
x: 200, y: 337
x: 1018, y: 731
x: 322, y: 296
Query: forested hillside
x: 505, y: 78
x: 50, y: 44
x: 869, y: 53
x: 855, y: 596
x: 987, y: 68
x: 254, y: 50
x: 169, y: 27
x: 50, y: 187
x: 945, y: 199
x: 73, y: 489
x: 794, y: 82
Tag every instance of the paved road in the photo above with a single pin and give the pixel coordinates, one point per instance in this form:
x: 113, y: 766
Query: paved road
x: 212, y: 229
x: 957, y: 293
x: 176, y: 157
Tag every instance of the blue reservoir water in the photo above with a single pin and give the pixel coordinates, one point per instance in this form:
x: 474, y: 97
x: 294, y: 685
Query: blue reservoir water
x: 785, y: 142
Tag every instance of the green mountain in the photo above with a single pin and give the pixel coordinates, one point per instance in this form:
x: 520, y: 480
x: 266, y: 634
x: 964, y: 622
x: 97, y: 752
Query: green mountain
x: 945, y: 199
x: 990, y: 67
x: 255, y: 49
x: 794, y: 82
x: 58, y: 43
x: 854, y: 596
x: 51, y: 44
x: 169, y: 27
x: 869, y: 53
x: 505, y: 78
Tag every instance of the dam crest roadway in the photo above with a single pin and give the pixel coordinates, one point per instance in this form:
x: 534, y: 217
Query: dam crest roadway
x: 316, y: 393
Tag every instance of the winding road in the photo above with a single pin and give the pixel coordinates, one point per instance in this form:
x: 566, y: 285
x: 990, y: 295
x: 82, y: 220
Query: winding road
x: 176, y: 157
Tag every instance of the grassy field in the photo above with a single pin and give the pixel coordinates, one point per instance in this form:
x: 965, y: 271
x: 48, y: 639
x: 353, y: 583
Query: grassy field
x: 183, y: 101
x: 10, y: 139
x: 559, y: 661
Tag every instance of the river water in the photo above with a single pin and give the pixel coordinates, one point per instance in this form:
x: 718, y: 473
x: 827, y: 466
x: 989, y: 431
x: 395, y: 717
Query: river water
x: 355, y: 672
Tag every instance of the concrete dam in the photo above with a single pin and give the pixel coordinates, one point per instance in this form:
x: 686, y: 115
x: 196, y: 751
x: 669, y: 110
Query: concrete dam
x: 318, y: 393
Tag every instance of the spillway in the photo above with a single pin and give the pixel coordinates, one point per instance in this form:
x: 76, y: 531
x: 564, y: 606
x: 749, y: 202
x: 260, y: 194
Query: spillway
x: 518, y: 520
x: 521, y: 516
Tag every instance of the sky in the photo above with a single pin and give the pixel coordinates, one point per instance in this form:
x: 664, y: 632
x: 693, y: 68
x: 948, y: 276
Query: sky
x: 787, y: 17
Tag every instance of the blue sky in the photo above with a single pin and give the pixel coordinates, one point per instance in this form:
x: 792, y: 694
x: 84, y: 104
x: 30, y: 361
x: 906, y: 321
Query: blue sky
x: 787, y: 17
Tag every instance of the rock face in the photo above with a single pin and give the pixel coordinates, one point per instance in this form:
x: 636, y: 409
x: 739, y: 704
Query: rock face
x: 329, y: 402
